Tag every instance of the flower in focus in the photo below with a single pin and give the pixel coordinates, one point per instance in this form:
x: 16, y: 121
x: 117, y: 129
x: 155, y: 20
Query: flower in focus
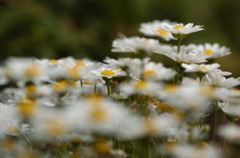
x: 180, y: 29
x: 151, y: 29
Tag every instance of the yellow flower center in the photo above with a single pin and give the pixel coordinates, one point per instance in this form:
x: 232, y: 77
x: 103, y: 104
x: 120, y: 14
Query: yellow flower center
x: 141, y: 84
x: 171, y: 88
x: 98, y: 114
x: 150, y: 127
x: 60, y: 86
x: 32, y: 70
x: 177, y: 27
x: 203, y: 68
x: 53, y: 61
x: 55, y: 127
x: 31, y: 89
x: 108, y: 73
x: 13, y: 130
x: 163, y: 107
x: 102, y: 147
x: 208, y: 51
x: 26, y: 107
x: 162, y: 32
x: 149, y: 73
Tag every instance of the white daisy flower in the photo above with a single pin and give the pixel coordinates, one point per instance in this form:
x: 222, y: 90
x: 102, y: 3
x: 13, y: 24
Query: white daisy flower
x: 109, y: 73
x: 156, y: 71
x: 134, y: 44
x: 131, y: 65
x: 228, y: 108
x: 151, y: 29
x: 215, y: 79
x: 214, y: 50
x: 140, y: 87
x: 23, y: 68
x: 180, y: 29
x: 186, y: 55
x: 230, y: 132
x: 205, y: 68
x: 185, y: 150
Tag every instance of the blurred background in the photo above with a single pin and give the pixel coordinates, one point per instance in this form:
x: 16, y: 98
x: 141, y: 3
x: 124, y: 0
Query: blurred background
x: 86, y: 28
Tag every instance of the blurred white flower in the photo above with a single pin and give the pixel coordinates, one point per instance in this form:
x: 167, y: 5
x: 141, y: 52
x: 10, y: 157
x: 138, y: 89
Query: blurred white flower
x: 134, y: 45
x: 205, y: 68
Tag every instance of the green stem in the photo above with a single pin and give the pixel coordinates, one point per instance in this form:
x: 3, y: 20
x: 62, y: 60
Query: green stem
x: 59, y: 152
x: 108, y: 87
x: 179, y: 44
x: 95, y: 88
x: 215, y: 122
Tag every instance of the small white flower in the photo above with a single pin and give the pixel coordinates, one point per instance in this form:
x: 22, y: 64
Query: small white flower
x: 205, y: 68
x: 180, y: 28
x: 157, y: 71
x: 186, y: 55
x: 134, y: 44
x: 215, y: 79
x: 151, y: 29
x: 108, y: 72
x: 213, y: 50
x: 230, y: 132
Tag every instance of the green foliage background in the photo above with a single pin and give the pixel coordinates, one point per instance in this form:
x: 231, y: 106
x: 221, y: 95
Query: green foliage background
x: 86, y: 28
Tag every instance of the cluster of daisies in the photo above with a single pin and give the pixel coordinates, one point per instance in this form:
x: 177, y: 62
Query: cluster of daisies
x: 125, y: 107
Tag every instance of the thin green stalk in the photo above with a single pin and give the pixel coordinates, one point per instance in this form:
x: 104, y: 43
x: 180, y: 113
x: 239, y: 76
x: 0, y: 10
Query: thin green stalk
x: 58, y: 151
x: 179, y: 44
x: 95, y: 88
x: 108, y: 87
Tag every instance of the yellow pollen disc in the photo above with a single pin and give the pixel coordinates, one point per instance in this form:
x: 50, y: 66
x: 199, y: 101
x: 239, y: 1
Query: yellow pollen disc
x: 171, y: 88
x: 178, y: 27
x: 55, y: 127
x: 32, y: 70
x: 53, y: 61
x: 141, y: 84
x: 207, y: 90
x: 31, y: 89
x: 26, y: 107
x: 162, y: 32
x: 149, y: 73
x: 59, y: 86
x: 8, y: 144
x: 108, y: 73
x: 208, y: 51
x: 163, y: 107
x: 102, y: 147
x: 13, y: 130
x: 79, y: 64
x: 98, y: 114
x: 204, y: 68
x: 151, y: 129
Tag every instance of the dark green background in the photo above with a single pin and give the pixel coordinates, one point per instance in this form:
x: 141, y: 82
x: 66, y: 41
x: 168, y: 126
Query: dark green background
x: 86, y: 28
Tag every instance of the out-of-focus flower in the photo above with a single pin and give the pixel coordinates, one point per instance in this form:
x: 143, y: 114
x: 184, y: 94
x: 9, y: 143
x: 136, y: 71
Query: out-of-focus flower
x: 230, y: 132
x: 134, y: 45
x: 215, y: 79
x: 205, y: 68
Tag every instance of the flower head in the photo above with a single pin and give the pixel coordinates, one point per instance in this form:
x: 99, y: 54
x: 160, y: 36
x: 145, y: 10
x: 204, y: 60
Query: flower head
x: 180, y: 29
